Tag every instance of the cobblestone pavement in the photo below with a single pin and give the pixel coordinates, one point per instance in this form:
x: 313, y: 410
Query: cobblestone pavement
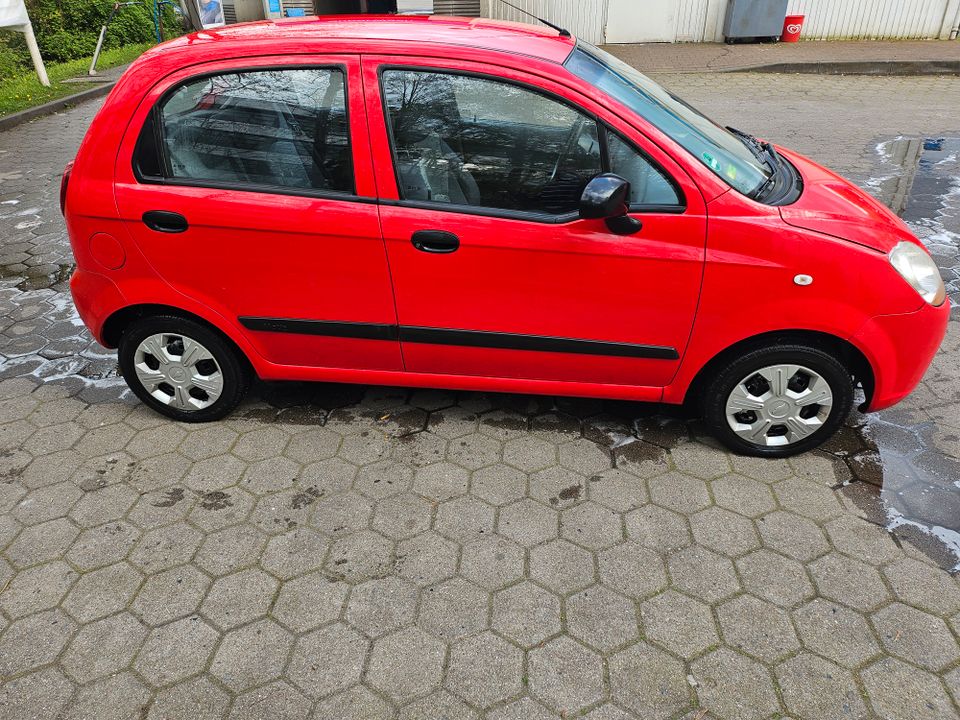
x: 348, y: 552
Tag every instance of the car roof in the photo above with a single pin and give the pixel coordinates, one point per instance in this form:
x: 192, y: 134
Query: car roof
x: 497, y: 35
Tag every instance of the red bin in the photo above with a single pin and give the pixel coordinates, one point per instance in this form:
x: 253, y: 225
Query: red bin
x: 792, y: 27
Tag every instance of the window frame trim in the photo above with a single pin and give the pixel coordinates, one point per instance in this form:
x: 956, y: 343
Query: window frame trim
x: 504, y: 213
x: 155, y: 115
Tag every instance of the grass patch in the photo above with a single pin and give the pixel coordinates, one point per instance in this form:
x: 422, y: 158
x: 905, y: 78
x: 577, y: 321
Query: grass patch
x: 24, y: 90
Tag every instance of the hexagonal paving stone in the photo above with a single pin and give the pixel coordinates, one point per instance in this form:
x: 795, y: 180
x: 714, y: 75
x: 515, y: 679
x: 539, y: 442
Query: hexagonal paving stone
x: 309, y: 601
x: 633, y: 570
x: 561, y: 566
x: 170, y: 594
x: 44, y: 542
x: 102, y: 545
x: 474, y: 451
x: 103, y: 647
x: 197, y: 699
x: 252, y: 655
x: 591, y: 525
x: 757, y: 628
x: 898, y: 690
x: 498, y: 484
x: 357, y: 703
x: 42, y: 587
x: 792, y: 535
x: 260, y: 444
x: 810, y: 499
x: 440, y: 704
x: 618, y: 490
x: 529, y: 454
x: 377, y: 607
x: 47, y: 503
x: 484, y: 670
x: 360, y: 556
x: 43, y: 694
x: 113, y: 698
x: 916, y: 636
x: 849, y: 581
x: 239, y: 598
x: 526, y: 613
x: 230, y: 549
x: 919, y: 584
x: 342, y: 514
x: 680, y: 624
x: 773, y: 577
x: 724, y: 532
x: 383, y: 479
x: 406, y: 664
x: 464, y: 518
x: 813, y: 687
x: 734, y: 686
x: 217, y: 509
x: 166, y: 547
x: 699, y: 460
x: 703, y: 573
x: 558, y: 487
x: 678, y: 492
x: 426, y: 559
x: 583, y: 456
x: 34, y: 641
x: 176, y: 651
x: 523, y: 709
x: 218, y: 473
x: 269, y: 476
x: 601, y: 618
x: 327, y: 660
x: 835, y: 632
x: 528, y: 522
x: 491, y: 562
x: 648, y: 681
x: 565, y: 675
x: 453, y: 609
x: 402, y: 516
x: 863, y: 540
x: 313, y: 444
x: 743, y: 495
x: 278, y: 700
x: 658, y: 528
x: 102, y: 592
x: 295, y: 553
x: 441, y: 481
x: 104, y: 505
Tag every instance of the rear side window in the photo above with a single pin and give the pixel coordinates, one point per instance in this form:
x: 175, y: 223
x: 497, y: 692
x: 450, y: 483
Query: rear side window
x: 284, y: 128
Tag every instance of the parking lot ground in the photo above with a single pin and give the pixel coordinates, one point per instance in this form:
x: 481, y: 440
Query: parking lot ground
x: 351, y: 552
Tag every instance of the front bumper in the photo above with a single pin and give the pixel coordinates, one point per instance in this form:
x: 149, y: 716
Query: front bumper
x: 900, y: 348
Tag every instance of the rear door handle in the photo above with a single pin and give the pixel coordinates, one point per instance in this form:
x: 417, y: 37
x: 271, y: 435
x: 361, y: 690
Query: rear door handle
x: 165, y: 221
x: 435, y: 241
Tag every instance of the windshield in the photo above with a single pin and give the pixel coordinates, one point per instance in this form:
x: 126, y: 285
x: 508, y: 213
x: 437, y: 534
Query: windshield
x: 715, y: 147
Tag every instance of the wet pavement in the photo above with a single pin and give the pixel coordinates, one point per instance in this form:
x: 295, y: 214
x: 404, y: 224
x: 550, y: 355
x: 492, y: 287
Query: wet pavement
x: 381, y: 552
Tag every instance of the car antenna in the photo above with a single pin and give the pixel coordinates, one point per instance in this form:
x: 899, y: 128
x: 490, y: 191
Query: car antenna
x: 563, y: 32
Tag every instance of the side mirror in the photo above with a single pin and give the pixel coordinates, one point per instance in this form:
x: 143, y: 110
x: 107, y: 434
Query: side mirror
x: 605, y: 198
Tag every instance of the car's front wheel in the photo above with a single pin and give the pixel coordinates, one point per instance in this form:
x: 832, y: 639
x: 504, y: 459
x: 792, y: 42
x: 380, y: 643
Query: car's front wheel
x: 182, y: 369
x: 778, y: 401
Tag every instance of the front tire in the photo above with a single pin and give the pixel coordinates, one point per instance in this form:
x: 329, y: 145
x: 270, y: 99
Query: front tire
x: 778, y: 401
x: 182, y: 369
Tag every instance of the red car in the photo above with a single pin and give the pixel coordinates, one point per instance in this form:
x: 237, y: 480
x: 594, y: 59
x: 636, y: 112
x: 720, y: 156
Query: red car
x: 479, y: 205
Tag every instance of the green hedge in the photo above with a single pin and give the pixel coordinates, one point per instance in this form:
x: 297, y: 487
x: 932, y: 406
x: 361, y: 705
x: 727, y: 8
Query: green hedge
x: 68, y: 30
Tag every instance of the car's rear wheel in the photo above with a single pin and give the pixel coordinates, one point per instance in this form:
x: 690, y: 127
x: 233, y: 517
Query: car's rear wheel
x: 778, y: 401
x: 182, y: 369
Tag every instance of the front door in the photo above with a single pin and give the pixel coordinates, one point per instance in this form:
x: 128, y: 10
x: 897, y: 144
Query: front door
x: 494, y: 273
x: 249, y: 189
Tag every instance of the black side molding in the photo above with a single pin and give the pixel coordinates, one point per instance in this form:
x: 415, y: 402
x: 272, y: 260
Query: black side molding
x: 540, y: 343
x: 363, y: 331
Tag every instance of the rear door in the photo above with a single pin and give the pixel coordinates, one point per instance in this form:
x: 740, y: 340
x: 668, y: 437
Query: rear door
x: 480, y: 170
x: 248, y: 186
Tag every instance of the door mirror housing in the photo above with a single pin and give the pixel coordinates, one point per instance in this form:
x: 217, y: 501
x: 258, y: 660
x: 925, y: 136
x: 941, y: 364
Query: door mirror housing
x: 605, y: 198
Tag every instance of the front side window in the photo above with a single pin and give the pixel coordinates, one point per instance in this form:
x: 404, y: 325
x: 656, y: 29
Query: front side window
x: 477, y: 141
x: 712, y: 145
x: 282, y: 128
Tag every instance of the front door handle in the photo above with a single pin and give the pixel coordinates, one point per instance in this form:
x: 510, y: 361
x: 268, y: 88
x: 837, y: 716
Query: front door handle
x: 165, y: 221
x: 435, y: 241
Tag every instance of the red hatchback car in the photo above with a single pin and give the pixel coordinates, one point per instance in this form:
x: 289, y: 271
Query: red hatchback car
x: 479, y: 205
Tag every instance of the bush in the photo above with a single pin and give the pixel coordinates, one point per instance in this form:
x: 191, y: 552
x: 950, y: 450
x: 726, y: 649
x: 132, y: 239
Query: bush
x: 68, y: 30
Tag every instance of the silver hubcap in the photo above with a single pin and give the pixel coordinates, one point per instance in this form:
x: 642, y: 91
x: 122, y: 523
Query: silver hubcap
x: 178, y: 371
x: 779, y: 405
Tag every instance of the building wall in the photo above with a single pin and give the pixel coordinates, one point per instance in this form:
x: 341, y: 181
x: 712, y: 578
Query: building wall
x: 702, y: 20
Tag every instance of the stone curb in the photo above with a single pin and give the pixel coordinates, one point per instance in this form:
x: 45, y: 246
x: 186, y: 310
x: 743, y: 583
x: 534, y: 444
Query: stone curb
x: 18, y: 118
x: 886, y: 67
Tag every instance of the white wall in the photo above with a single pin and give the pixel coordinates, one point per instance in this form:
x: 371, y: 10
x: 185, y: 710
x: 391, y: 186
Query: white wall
x: 599, y: 21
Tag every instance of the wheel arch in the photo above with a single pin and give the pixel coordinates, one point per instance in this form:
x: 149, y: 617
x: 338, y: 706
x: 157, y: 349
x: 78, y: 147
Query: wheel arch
x: 117, y: 323
x: 843, y: 350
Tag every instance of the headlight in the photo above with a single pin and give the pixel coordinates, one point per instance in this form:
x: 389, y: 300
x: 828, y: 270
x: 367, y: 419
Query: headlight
x: 917, y: 268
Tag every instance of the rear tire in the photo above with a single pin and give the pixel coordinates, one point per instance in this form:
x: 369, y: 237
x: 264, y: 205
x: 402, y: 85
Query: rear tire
x: 182, y: 368
x: 777, y: 401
